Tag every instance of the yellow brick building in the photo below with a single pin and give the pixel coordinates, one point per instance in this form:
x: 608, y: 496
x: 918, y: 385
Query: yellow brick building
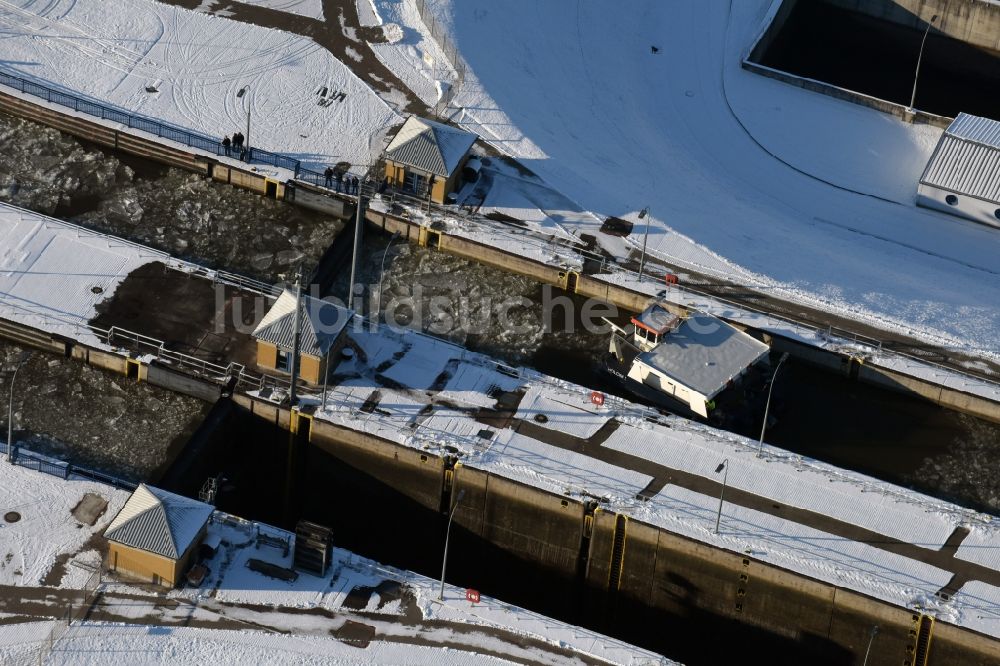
x: 155, y: 535
x: 321, y: 325
x: 426, y: 157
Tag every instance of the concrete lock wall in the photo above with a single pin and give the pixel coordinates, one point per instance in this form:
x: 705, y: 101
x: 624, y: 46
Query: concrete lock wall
x: 416, y: 475
x: 542, y: 528
x: 975, y: 22
x: 658, y: 569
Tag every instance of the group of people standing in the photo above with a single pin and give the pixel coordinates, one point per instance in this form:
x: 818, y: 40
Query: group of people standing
x: 235, y: 145
x: 345, y: 182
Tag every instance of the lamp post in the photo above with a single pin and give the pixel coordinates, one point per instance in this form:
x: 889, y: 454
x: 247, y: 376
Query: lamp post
x: 724, y: 468
x: 21, y: 360
x: 381, y: 273
x: 767, y: 405
x: 870, y: 641
x: 357, y: 249
x: 645, y: 237
x: 239, y: 95
x: 447, y: 534
x: 920, y: 57
x: 296, y: 333
x: 358, y: 227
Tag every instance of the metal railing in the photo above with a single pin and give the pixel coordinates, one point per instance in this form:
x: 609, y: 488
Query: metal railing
x: 63, y: 469
x: 152, y: 126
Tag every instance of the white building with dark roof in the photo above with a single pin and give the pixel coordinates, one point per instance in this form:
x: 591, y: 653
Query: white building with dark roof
x: 963, y: 175
x: 426, y: 156
x: 154, y: 536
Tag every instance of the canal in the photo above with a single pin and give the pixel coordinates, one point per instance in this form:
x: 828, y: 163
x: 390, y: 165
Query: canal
x: 891, y: 436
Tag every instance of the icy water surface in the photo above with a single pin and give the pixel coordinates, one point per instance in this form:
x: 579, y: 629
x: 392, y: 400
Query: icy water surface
x: 182, y: 213
x: 94, y: 418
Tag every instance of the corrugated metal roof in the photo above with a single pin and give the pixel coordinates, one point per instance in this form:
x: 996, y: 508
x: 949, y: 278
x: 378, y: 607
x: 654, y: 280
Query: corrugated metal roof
x: 967, y: 159
x: 320, y: 324
x: 159, y: 522
x: 429, y: 146
x: 974, y: 128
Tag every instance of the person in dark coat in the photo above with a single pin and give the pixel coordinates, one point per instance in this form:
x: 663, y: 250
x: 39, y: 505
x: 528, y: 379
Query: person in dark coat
x: 328, y: 177
x: 340, y: 180
x: 354, y: 184
x: 226, y: 142
x: 238, y: 142
x: 384, y: 185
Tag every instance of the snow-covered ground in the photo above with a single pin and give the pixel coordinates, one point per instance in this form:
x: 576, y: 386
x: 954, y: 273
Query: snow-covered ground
x: 30, y: 547
x: 745, y: 177
x: 196, y: 63
x: 358, y: 613
x: 410, y: 52
x: 307, y: 8
x: 53, y: 274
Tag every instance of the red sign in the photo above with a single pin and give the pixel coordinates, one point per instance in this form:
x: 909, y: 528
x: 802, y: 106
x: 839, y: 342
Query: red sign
x: 597, y: 398
x: 472, y: 595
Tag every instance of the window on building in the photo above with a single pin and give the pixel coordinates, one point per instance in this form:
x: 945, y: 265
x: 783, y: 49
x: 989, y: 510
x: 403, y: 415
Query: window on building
x: 284, y: 362
x: 415, y: 182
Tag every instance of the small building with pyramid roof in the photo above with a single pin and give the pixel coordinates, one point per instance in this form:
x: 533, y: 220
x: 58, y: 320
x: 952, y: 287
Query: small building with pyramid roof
x: 321, y: 324
x: 426, y: 158
x: 155, y: 535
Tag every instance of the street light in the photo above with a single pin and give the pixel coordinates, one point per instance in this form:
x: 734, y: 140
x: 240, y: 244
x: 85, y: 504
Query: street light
x: 870, y: 640
x: 239, y: 95
x: 358, y: 228
x: 21, y: 360
x: 447, y: 534
x: 920, y: 57
x: 381, y: 273
x: 645, y: 237
x: 724, y: 468
x: 767, y: 405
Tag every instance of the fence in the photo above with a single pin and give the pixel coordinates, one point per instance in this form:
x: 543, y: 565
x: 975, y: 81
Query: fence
x: 454, y: 58
x: 75, y: 612
x: 25, y: 457
x: 163, y: 130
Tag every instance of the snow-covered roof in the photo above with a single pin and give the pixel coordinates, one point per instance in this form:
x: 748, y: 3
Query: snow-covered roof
x: 656, y: 319
x: 967, y: 159
x: 429, y: 146
x: 159, y: 522
x: 704, y: 353
x: 320, y: 324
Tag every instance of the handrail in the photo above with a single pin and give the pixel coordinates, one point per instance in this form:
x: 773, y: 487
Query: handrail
x: 143, y: 123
